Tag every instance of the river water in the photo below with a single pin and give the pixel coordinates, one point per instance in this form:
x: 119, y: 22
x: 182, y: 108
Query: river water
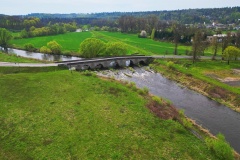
x: 211, y: 115
x: 42, y: 56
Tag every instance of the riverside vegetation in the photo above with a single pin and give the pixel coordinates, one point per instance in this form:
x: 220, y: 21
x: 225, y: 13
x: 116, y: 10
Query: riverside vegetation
x: 207, y: 77
x: 57, y: 114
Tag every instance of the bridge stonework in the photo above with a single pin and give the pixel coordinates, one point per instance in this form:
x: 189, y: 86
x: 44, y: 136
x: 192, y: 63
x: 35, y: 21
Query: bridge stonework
x: 106, y: 62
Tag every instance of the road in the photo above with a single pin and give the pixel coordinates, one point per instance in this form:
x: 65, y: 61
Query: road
x: 12, y: 64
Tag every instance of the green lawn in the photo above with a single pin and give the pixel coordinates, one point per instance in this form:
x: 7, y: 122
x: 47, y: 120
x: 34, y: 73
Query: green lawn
x: 64, y: 115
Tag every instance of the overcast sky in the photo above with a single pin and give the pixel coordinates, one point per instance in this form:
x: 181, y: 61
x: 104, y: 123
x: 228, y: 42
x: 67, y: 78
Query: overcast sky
x: 22, y: 7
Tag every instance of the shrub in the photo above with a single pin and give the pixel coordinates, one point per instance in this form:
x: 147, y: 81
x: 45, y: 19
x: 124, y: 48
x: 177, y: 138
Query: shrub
x: 170, y: 64
x: 157, y: 100
x: 143, y: 91
x: 54, y: 47
x: 92, y: 47
x: 220, y: 147
x: 29, y: 47
x: 89, y: 73
x: 115, y: 49
x: 45, y: 49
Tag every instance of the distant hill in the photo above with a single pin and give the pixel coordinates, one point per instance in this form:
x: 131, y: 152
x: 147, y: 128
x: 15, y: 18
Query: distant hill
x: 187, y: 16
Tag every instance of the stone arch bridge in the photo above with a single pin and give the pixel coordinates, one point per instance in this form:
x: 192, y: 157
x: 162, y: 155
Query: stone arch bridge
x: 98, y: 63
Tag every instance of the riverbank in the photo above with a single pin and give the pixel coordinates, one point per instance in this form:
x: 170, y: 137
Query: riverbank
x: 10, y: 57
x: 183, y: 72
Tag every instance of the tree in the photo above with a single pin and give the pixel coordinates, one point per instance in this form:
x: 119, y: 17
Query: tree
x: 54, y: 47
x: 237, y: 39
x: 5, y: 37
x: 92, y: 47
x: 197, y: 45
x: 178, y: 33
x: 230, y: 53
x: 115, y: 49
x: 225, y: 41
x: 214, y: 44
x: 153, y: 33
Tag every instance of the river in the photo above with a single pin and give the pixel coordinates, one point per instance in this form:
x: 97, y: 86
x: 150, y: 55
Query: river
x: 42, y: 56
x: 213, y: 116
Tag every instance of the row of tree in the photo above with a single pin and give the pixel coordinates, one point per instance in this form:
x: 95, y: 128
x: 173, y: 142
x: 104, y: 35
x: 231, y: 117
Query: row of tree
x: 48, y: 30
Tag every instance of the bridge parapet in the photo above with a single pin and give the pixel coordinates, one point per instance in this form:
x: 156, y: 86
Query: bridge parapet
x: 107, y: 62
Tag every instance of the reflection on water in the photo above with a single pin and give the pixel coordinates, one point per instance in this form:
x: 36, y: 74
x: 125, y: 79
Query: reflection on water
x: 42, y: 56
x: 210, y: 114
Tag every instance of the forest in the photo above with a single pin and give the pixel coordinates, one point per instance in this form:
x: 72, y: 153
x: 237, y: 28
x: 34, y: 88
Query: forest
x: 228, y: 15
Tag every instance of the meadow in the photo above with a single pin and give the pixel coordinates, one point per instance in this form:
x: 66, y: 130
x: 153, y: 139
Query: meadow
x: 72, y: 115
x: 70, y: 42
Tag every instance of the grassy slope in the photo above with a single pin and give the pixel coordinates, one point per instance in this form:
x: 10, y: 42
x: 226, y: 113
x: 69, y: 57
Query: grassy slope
x: 59, y: 115
x: 4, y: 57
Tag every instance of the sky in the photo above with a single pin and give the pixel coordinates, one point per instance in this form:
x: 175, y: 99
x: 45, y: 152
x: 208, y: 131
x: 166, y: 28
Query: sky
x: 23, y: 7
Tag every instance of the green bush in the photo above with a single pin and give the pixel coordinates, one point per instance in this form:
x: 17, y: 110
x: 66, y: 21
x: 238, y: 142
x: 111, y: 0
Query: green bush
x: 45, y: 49
x: 29, y: 47
x: 157, y: 99
x: 170, y: 64
x: 143, y: 91
x: 54, y: 47
x: 220, y: 147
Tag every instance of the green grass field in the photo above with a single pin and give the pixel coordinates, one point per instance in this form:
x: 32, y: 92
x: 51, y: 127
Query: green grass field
x: 142, y: 45
x: 64, y: 115
x: 71, y: 42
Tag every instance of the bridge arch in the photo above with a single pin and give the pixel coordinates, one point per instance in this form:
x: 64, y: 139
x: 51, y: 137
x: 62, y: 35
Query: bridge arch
x: 129, y: 63
x: 99, y: 66
x: 142, y: 63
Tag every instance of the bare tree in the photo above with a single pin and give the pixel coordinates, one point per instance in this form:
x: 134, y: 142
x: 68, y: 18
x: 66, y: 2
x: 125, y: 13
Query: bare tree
x: 214, y: 44
x: 197, y: 45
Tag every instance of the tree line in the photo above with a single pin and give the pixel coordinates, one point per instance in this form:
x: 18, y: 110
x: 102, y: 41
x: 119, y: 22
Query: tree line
x: 185, y: 16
